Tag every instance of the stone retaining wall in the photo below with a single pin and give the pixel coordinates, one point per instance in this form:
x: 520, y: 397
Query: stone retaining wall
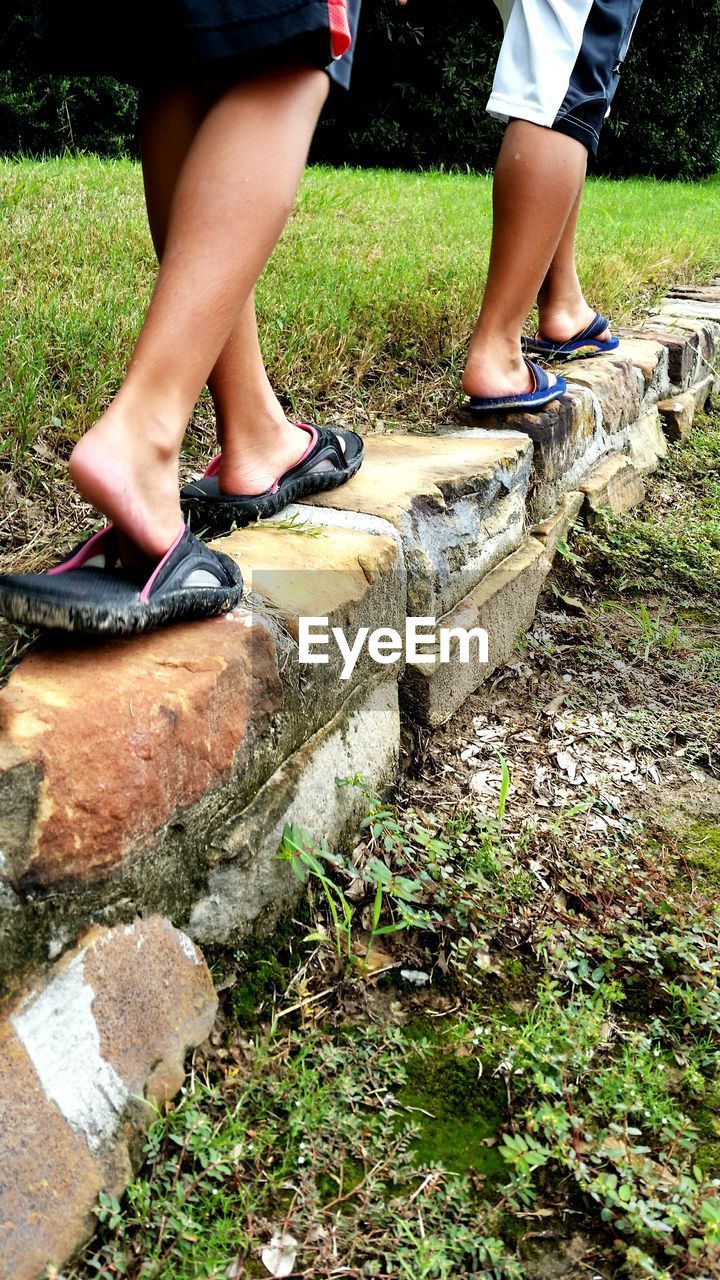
x: 148, y: 780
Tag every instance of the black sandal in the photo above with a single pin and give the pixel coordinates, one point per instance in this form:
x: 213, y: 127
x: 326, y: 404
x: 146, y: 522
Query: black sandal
x: 90, y: 591
x: 324, y: 465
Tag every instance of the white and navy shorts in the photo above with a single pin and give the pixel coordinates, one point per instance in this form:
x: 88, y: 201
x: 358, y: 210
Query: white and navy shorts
x: 560, y: 63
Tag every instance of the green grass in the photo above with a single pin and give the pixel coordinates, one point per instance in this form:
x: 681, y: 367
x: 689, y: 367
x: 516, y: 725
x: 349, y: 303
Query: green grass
x: 673, y: 544
x: 365, y: 307
x: 289, y: 1139
x: 432, y: 1151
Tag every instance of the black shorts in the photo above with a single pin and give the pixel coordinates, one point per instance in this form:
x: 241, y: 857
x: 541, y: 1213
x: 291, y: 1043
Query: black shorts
x: 150, y: 42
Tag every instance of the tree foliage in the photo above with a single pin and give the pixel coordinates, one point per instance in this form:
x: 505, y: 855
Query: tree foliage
x: 44, y: 114
x: 422, y: 78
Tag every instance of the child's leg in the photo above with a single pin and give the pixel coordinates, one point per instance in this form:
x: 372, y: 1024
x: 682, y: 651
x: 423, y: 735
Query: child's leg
x: 257, y: 440
x: 232, y: 200
x: 556, y: 76
x: 537, y: 178
x: 562, y: 306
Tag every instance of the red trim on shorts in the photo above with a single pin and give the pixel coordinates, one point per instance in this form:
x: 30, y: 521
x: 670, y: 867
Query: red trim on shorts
x: 340, y: 34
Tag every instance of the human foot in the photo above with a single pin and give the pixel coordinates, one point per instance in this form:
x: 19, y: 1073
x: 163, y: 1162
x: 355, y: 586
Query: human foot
x: 251, y: 466
x: 128, y: 471
x: 331, y: 457
x: 545, y: 389
x: 563, y: 323
x: 243, y: 468
x: 594, y: 340
x: 490, y: 374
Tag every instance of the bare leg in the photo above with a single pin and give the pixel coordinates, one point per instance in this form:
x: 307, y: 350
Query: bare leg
x: 563, y: 309
x: 257, y: 440
x: 537, y: 179
x: 232, y: 200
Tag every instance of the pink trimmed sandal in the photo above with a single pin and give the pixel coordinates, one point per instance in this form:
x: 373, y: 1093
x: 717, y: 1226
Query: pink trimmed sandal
x: 324, y: 465
x: 90, y: 590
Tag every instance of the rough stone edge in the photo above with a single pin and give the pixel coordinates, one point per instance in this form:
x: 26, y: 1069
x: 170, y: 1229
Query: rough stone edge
x: 168, y: 878
x: 249, y: 887
x: 503, y: 605
x: 78, y: 1094
x: 546, y: 490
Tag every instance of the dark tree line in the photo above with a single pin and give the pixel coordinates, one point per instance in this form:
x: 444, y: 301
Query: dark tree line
x: 422, y: 78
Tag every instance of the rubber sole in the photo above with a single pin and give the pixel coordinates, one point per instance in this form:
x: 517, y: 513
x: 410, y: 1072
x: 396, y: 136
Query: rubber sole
x: 222, y: 514
x: 555, y: 393
x: 581, y: 353
x: 190, y: 604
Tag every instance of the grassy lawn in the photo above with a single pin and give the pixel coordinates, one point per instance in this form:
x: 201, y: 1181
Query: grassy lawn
x: 365, y: 308
x: 523, y: 1082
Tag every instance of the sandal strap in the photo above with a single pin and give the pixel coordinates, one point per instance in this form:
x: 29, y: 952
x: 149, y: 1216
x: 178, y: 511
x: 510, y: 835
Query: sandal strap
x: 596, y: 326
x: 100, y: 550
x: 187, y: 563
x: 542, y: 381
x: 326, y: 447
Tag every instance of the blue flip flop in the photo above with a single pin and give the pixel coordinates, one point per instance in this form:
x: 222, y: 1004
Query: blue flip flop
x: 585, y: 344
x: 544, y: 392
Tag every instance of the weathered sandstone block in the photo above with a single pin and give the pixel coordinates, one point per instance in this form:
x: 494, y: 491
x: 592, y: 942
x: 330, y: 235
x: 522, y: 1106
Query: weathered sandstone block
x: 82, y: 1055
x: 103, y: 744
x: 556, y: 527
x: 503, y: 605
x: 248, y: 886
x: 352, y: 577
x: 650, y: 357
x: 567, y: 439
x: 703, y: 390
x: 615, y: 384
x: 616, y: 484
x: 645, y: 441
x: 682, y: 346
x: 677, y: 415
x: 458, y: 503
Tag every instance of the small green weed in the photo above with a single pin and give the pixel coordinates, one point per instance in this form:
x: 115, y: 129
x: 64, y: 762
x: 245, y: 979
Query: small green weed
x: 392, y: 893
x: 654, y: 631
x: 673, y: 545
x: 296, y: 524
